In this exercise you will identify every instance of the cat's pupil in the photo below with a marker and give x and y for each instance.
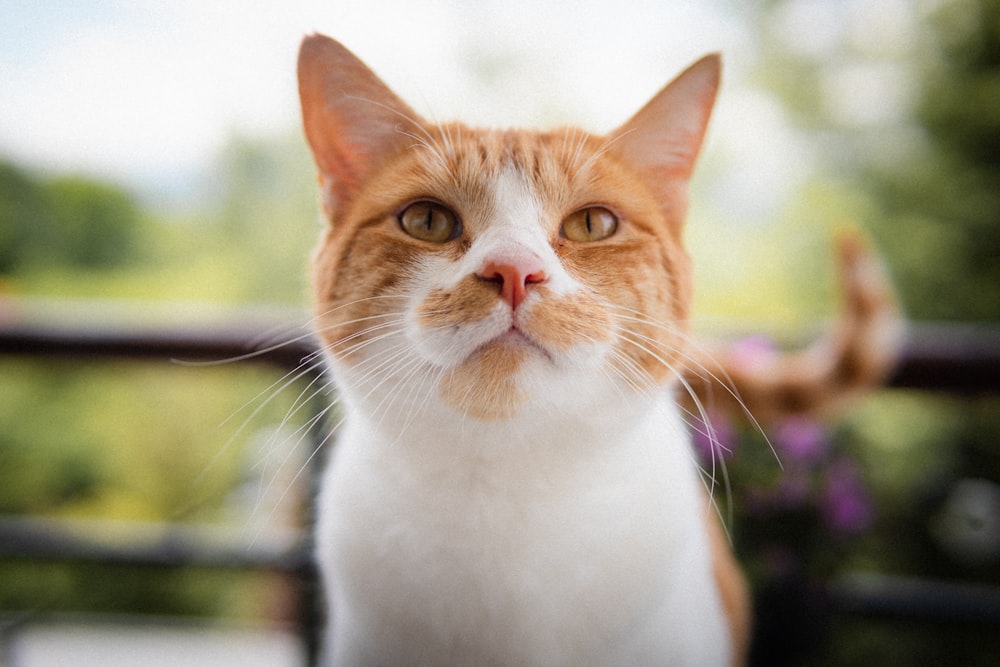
(428, 221)
(593, 223)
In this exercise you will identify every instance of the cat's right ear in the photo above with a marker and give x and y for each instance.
(353, 122)
(663, 139)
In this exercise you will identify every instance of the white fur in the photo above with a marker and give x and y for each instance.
(532, 542)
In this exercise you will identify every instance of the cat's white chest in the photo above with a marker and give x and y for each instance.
(468, 543)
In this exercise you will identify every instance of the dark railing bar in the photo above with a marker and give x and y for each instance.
(954, 358)
(886, 596)
(56, 541)
(950, 357)
(216, 344)
(148, 544)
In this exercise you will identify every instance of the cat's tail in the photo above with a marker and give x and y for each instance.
(857, 354)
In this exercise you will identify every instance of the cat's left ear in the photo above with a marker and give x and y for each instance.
(663, 139)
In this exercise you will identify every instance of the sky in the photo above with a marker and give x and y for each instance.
(145, 92)
(134, 90)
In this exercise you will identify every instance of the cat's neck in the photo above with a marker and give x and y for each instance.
(453, 518)
(532, 460)
(550, 424)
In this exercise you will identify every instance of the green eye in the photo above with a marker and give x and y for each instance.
(593, 223)
(428, 221)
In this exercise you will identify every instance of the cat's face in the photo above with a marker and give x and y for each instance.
(489, 268)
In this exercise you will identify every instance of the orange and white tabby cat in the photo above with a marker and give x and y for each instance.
(505, 316)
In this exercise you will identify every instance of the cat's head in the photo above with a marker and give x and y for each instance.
(485, 269)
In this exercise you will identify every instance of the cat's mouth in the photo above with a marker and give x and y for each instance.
(519, 342)
(514, 344)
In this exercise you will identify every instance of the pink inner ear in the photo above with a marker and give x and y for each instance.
(351, 117)
(665, 136)
(337, 178)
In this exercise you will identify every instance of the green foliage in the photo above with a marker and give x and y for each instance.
(94, 224)
(22, 206)
(925, 181)
(69, 221)
(265, 210)
(142, 443)
(929, 169)
(151, 442)
(961, 104)
(106, 589)
(960, 109)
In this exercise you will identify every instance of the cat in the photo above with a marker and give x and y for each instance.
(505, 315)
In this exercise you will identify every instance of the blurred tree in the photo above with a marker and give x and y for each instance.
(137, 442)
(903, 100)
(94, 224)
(265, 207)
(942, 225)
(22, 210)
(71, 222)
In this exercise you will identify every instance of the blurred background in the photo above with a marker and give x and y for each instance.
(154, 182)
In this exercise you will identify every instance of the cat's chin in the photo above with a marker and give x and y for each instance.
(486, 383)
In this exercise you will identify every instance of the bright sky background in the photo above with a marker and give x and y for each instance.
(145, 92)
(138, 89)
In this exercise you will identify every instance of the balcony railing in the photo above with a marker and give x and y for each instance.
(952, 359)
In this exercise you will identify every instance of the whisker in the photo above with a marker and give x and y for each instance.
(273, 390)
(302, 400)
(396, 112)
(305, 465)
(696, 366)
(300, 435)
(243, 357)
(703, 413)
(433, 150)
(253, 354)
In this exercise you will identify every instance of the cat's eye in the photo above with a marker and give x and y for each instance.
(428, 221)
(593, 223)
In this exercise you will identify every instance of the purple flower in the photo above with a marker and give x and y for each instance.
(800, 440)
(846, 504)
(714, 439)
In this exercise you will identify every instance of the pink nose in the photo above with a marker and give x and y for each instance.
(514, 276)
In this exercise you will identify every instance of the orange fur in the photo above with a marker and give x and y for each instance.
(732, 587)
(470, 299)
(484, 385)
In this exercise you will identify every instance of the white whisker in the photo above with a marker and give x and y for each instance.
(693, 365)
(320, 445)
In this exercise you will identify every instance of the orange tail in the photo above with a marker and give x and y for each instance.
(856, 355)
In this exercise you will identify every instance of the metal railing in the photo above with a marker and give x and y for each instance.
(244, 335)
(955, 359)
